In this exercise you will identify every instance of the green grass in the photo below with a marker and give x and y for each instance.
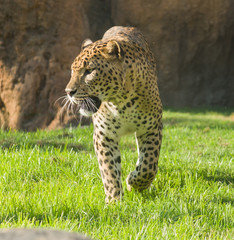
(51, 179)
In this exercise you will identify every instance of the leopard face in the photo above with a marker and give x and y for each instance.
(96, 76)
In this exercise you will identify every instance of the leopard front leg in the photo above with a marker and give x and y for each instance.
(147, 164)
(108, 154)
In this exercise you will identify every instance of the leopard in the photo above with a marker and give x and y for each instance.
(114, 80)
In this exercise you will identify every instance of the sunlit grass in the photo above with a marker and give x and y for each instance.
(51, 179)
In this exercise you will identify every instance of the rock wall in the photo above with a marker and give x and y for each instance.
(39, 234)
(39, 40)
(192, 41)
(194, 46)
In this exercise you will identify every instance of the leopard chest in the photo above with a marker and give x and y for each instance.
(123, 121)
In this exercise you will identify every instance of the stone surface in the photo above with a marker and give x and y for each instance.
(39, 234)
(38, 42)
(193, 42)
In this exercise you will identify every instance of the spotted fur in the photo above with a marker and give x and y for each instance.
(114, 80)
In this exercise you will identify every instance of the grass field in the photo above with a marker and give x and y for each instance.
(50, 179)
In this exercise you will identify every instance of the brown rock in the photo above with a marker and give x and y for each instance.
(193, 44)
(38, 42)
(39, 234)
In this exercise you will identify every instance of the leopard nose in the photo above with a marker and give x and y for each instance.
(70, 92)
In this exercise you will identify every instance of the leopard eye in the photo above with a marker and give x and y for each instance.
(88, 71)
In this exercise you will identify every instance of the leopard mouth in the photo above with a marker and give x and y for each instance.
(90, 105)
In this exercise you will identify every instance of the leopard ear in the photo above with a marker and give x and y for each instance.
(113, 50)
(86, 43)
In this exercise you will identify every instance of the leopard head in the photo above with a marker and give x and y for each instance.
(96, 75)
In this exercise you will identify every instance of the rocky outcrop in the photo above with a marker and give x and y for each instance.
(192, 41)
(39, 40)
(39, 234)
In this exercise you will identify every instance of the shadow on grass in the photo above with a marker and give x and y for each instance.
(219, 176)
(223, 177)
(216, 176)
(174, 211)
(11, 144)
(203, 124)
(224, 200)
(226, 111)
(225, 119)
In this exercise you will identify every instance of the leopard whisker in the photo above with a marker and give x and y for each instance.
(87, 103)
(63, 110)
(63, 97)
(69, 107)
(92, 103)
